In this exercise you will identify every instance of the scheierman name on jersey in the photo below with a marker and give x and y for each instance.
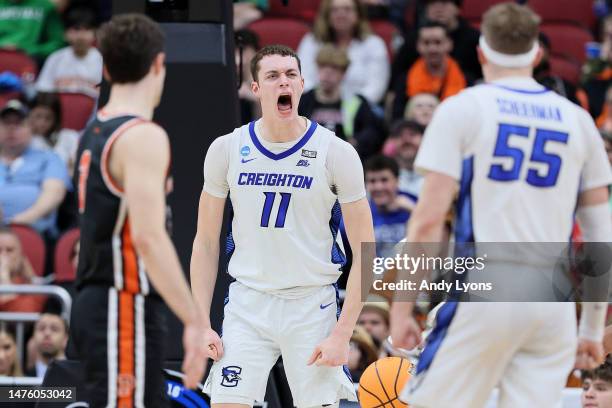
(274, 179)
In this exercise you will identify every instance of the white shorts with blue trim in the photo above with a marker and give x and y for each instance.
(525, 349)
(257, 329)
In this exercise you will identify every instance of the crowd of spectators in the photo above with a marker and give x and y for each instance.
(378, 96)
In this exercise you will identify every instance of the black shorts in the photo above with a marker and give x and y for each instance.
(119, 338)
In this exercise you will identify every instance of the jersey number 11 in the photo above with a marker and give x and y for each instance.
(282, 209)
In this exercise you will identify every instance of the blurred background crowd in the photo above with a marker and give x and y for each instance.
(374, 70)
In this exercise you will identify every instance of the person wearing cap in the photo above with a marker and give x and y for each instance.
(463, 36)
(33, 182)
(351, 118)
(403, 145)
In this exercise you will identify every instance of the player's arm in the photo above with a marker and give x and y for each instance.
(205, 253)
(593, 216)
(347, 177)
(140, 159)
(426, 226)
(441, 157)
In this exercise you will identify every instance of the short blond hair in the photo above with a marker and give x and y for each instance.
(330, 55)
(510, 28)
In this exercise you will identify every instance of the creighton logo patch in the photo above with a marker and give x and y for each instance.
(311, 154)
(230, 376)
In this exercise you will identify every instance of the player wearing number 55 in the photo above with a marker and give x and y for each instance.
(290, 181)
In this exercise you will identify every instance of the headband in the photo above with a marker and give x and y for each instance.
(508, 60)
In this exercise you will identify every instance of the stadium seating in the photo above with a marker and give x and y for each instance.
(567, 11)
(474, 9)
(64, 271)
(566, 69)
(76, 110)
(305, 10)
(33, 246)
(19, 63)
(284, 31)
(567, 40)
(387, 31)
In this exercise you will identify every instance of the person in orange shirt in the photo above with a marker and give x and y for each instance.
(435, 71)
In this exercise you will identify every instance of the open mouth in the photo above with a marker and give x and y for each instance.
(284, 103)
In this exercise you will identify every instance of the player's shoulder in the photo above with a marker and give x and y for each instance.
(335, 143)
(462, 104)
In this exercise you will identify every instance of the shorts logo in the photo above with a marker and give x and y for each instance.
(311, 154)
(125, 385)
(303, 163)
(230, 376)
(245, 151)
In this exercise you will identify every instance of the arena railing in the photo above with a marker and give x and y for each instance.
(23, 318)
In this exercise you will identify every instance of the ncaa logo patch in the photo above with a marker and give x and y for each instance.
(230, 376)
(245, 151)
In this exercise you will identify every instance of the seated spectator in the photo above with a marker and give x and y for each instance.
(247, 11)
(15, 269)
(403, 145)
(597, 71)
(48, 343)
(390, 207)
(421, 108)
(362, 352)
(344, 23)
(464, 38)
(45, 120)
(247, 44)
(33, 182)
(9, 361)
(31, 26)
(351, 118)
(78, 67)
(435, 71)
(597, 387)
(542, 73)
(374, 318)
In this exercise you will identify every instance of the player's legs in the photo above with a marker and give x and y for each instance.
(241, 376)
(305, 322)
(538, 371)
(466, 354)
(121, 354)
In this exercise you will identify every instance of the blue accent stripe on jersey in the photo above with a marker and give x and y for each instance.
(522, 91)
(337, 256)
(230, 245)
(464, 229)
(286, 153)
(434, 340)
(338, 311)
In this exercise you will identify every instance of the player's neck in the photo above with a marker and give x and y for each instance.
(136, 99)
(277, 131)
(494, 73)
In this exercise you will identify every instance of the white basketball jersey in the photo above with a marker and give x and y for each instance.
(521, 153)
(285, 217)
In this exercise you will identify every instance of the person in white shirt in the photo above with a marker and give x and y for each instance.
(525, 163)
(45, 121)
(344, 23)
(78, 67)
(290, 182)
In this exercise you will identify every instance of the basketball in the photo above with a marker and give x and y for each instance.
(382, 382)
